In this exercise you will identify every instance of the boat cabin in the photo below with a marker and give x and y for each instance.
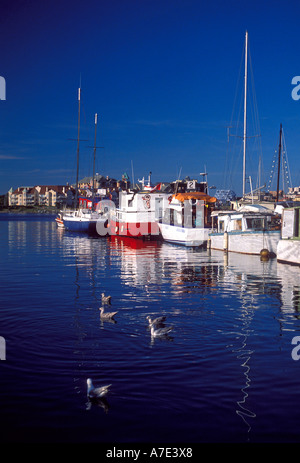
(244, 221)
(291, 223)
(189, 210)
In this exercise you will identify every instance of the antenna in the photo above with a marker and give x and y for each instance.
(132, 173)
(245, 113)
(279, 154)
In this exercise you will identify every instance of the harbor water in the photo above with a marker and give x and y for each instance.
(228, 372)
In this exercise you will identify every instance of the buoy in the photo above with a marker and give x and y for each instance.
(264, 253)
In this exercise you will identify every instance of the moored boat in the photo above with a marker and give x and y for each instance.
(82, 220)
(187, 219)
(137, 214)
(246, 231)
(288, 248)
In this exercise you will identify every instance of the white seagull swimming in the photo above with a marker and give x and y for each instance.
(106, 315)
(158, 322)
(96, 392)
(105, 299)
(159, 332)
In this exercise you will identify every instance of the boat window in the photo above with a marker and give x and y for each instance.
(177, 218)
(168, 217)
(255, 223)
(238, 224)
(221, 225)
(172, 217)
(199, 222)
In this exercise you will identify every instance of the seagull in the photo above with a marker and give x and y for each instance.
(157, 322)
(106, 299)
(106, 315)
(96, 392)
(158, 332)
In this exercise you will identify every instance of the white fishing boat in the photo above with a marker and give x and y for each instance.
(138, 213)
(187, 219)
(288, 248)
(246, 231)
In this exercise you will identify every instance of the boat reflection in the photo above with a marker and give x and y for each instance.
(242, 285)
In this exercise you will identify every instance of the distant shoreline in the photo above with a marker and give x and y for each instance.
(28, 210)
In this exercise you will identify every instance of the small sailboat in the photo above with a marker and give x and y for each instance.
(252, 229)
(79, 219)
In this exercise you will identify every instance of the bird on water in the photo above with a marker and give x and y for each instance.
(106, 315)
(96, 392)
(105, 299)
(159, 332)
(158, 322)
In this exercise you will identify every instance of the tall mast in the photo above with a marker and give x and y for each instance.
(93, 191)
(78, 137)
(245, 114)
(279, 155)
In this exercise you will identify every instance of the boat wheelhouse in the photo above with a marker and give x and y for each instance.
(138, 214)
(187, 219)
(246, 231)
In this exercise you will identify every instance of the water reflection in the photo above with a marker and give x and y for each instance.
(101, 403)
(139, 260)
(189, 271)
(290, 277)
(23, 235)
(234, 318)
(244, 354)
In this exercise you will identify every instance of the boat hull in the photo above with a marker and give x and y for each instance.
(142, 230)
(194, 237)
(246, 242)
(288, 251)
(59, 222)
(80, 225)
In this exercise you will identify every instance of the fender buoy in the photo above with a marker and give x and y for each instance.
(264, 254)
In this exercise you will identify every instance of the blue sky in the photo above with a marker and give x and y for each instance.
(163, 77)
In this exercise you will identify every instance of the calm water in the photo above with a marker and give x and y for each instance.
(225, 375)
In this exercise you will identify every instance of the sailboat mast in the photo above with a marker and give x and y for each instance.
(279, 155)
(78, 137)
(93, 191)
(245, 114)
